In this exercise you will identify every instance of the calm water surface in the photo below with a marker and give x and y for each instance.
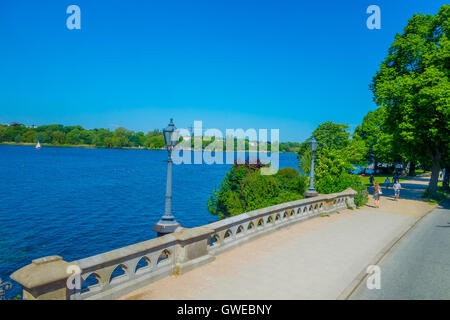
(77, 202)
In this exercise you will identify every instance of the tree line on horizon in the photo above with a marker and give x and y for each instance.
(60, 135)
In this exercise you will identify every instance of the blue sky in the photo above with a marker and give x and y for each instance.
(280, 64)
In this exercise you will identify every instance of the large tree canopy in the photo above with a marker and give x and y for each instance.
(334, 137)
(381, 147)
(413, 85)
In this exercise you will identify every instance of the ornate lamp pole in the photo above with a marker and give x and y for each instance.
(167, 224)
(311, 192)
(6, 286)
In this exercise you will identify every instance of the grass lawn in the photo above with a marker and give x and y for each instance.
(380, 179)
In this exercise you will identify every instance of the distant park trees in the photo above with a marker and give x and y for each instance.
(60, 135)
(76, 135)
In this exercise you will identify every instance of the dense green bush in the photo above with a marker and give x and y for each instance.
(245, 189)
(331, 184)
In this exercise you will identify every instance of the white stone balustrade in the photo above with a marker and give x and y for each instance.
(176, 253)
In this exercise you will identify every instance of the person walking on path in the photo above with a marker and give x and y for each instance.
(395, 178)
(397, 187)
(376, 194)
(371, 178)
(387, 182)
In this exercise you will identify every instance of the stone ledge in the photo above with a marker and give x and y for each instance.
(182, 268)
(192, 234)
(42, 272)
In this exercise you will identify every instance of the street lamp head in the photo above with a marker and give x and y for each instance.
(313, 144)
(170, 135)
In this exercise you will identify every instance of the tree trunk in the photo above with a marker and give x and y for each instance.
(435, 169)
(412, 169)
(445, 183)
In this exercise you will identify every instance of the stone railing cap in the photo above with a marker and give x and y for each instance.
(123, 253)
(46, 259)
(350, 190)
(42, 271)
(278, 207)
(193, 233)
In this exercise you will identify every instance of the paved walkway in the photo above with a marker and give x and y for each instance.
(316, 259)
(418, 266)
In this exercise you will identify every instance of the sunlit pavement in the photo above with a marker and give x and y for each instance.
(320, 258)
(418, 266)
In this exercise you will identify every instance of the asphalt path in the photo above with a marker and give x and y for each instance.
(418, 266)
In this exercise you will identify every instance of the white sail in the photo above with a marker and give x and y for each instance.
(38, 145)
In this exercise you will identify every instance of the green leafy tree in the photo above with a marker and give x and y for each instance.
(381, 145)
(86, 136)
(108, 142)
(73, 137)
(99, 136)
(2, 132)
(120, 138)
(289, 146)
(371, 131)
(336, 155)
(58, 137)
(28, 136)
(413, 85)
(155, 142)
(333, 136)
(43, 137)
(136, 139)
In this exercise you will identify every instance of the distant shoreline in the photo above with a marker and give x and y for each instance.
(89, 146)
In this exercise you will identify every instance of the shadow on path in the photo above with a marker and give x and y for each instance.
(411, 189)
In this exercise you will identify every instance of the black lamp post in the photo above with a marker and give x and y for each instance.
(168, 224)
(311, 192)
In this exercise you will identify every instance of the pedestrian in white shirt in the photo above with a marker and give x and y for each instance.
(397, 186)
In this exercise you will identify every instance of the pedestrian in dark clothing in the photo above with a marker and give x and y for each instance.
(395, 178)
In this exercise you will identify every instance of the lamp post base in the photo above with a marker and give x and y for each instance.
(165, 228)
(310, 193)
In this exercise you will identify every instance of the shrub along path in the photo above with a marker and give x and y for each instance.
(321, 258)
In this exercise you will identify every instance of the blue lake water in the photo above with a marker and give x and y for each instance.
(77, 202)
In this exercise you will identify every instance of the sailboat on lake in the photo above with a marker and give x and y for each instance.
(38, 145)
